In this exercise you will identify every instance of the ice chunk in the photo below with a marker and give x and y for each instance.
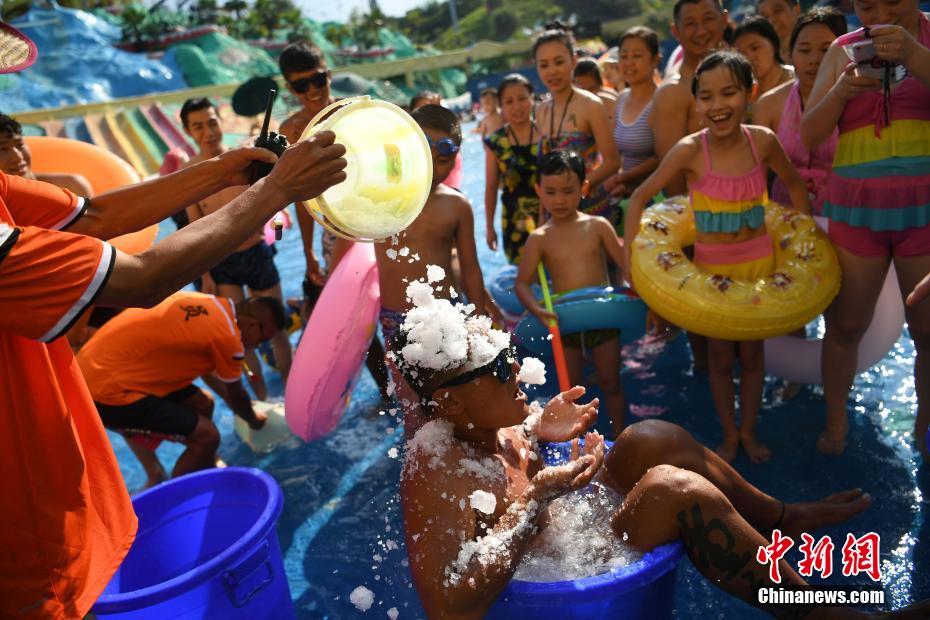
(483, 501)
(393, 613)
(578, 542)
(435, 273)
(362, 598)
(532, 371)
(391, 253)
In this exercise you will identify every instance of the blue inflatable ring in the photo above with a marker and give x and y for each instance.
(502, 286)
(584, 310)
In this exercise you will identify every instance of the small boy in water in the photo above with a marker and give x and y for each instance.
(572, 246)
(445, 222)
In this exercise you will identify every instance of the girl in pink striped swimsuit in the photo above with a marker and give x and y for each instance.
(729, 215)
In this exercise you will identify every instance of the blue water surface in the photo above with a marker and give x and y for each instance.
(341, 526)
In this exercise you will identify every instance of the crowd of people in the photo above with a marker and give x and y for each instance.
(574, 171)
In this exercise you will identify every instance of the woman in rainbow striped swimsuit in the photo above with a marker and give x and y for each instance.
(878, 195)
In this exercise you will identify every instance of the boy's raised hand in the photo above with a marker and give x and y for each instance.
(562, 418)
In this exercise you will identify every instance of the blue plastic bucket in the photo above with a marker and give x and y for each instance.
(206, 548)
(645, 589)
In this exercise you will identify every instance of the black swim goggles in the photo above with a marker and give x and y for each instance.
(444, 146)
(317, 80)
(501, 366)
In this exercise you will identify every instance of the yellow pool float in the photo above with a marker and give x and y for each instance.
(805, 280)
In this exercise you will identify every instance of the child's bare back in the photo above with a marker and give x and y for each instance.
(428, 241)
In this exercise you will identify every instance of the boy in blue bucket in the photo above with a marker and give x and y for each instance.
(481, 441)
(573, 247)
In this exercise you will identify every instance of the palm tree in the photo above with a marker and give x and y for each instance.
(236, 6)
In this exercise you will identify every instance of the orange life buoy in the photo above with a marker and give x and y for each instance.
(103, 170)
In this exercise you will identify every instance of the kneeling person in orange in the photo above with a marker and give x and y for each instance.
(141, 365)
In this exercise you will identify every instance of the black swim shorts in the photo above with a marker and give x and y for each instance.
(163, 417)
(253, 267)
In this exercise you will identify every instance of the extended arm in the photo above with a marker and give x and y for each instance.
(304, 171)
(642, 170)
(673, 166)
(836, 84)
(240, 403)
(491, 183)
(669, 123)
(600, 129)
(776, 159)
(527, 274)
(472, 279)
(611, 243)
(132, 208)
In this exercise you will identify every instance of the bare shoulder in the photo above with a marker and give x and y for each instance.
(294, 126)
(691, 143)
(772, 101)
(451, 198)
(763, 136)
(433, 464)
(672, 94)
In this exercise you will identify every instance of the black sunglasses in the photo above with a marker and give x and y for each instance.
(501, 366)
(444, 146)
(317, 80)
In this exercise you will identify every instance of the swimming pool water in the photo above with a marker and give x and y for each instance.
(341, 526)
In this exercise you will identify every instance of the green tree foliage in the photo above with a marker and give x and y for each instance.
(599, 10)
(503, 24)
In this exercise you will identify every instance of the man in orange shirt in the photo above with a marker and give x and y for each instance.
(67, 521)
(140, 368)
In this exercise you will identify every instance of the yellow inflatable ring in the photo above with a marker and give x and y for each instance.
(805, 280)
(103, 169)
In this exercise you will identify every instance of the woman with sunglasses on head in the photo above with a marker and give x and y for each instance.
(510, 162)
(780, 109)
(574, 119)
(757, 40)
(878, 193)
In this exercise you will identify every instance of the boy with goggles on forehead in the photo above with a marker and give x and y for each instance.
(446, 223)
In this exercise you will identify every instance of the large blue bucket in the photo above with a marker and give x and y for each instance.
(643, 590)
(206, 548)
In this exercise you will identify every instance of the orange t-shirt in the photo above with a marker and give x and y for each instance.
(66, 522)
(162, 349)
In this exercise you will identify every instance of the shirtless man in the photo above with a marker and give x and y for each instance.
(675, 490)
(252, 264)
(698, 25)
(303, 67)
(16, 160)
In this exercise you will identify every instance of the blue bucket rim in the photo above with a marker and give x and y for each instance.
(653, 565)
(126, 601)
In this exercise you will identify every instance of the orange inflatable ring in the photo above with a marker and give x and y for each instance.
(103, 169)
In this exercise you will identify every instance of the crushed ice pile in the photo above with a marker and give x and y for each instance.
(578, 541)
